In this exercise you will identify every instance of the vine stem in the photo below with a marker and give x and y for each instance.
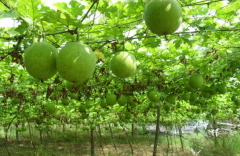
(99, 137)
(95, 1)
(30, 132)
(112, 136)
(129, 142)
(6, 137)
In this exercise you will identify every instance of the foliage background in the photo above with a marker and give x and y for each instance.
(207, 43)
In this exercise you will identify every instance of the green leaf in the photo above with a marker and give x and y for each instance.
(29, 8)
(22, 28)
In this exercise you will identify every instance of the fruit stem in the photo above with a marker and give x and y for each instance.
(166, 37)
(43, 36)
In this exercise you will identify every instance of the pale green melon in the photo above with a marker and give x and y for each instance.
(170, 99)
(163, 17)
(154, 96)
(221, 88)
(111, 99)
(196, 81)
(185, 96)
(65, 101)
(122, 100)
(123, 64)
(40, 60)
(51, 108)
(76, 62)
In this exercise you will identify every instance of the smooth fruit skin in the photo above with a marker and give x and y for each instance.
(193, 97)
(122, 100)
(233, 98)
(76, 62)
(154, 96)
(50, 108)
(65, 102)
(130, 99)
(82, 108)
(111, 99)
(170, 99)
(213, 90)
(196, 81)
(123, 64)
(163, 17)
(103, 104)
(167, 107)
(221, 88)
(186, 96)
(206, 94)
(127, 115)
(40, 60)
(84, 115)
(237, 102)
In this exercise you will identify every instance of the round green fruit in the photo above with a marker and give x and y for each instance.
(150, 105)
(206, 94)
(15, 100)
(115, 124)
(50, 108)
(103, 104)
(73, 96)
(82, 108)
(170, 99)
(208, 116)
(84, 115)
(186, 96)
(233, 98)
(130, 99)
(40, 60)
(88, 105)
(122, 100)
(237, 102)
(76, 62)
(111, 99)
(86, 128)
(133, 104)
(156, 105)
(193, 97)
(188, 88)
(235, 111)
(154, 96)
(127, 115)
(178, 105)
(93, 127)
(65, 102)
(163, 17)
(221, 88)
(123, 64)
(167, 107)
(196, 81)
(213, 90)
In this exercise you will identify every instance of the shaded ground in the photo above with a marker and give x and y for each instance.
(57, 143)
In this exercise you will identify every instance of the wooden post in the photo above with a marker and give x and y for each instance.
(157, 132)
(92, 142)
